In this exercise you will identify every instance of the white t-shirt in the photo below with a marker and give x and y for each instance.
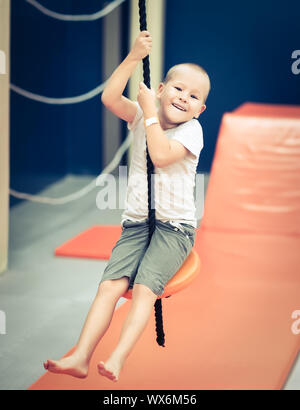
(173, 184)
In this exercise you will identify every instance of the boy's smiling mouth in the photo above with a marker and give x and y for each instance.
(178, 107)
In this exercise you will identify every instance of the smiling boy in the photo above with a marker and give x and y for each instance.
(174, 140)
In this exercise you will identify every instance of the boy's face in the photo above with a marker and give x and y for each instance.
(182, 97)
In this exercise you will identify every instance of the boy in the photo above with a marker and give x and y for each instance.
(174, 140)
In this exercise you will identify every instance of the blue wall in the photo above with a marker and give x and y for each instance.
(58, 59)
(246, 48)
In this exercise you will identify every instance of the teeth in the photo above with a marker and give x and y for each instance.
(179, 108)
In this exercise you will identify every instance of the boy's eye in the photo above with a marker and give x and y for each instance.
(178, 88)
(193, 96)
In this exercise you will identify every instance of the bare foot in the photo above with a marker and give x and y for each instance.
(70, 365)
(110, 370)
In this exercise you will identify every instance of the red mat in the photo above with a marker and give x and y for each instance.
(96, 242)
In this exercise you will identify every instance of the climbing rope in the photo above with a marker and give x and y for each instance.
(150, 170)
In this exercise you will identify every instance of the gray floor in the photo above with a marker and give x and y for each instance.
(46, 298)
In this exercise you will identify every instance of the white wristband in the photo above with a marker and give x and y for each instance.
(150, 121)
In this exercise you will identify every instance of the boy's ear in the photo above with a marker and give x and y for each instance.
(203, 108)
(159, 90)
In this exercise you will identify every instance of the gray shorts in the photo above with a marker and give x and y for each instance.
(152, 266)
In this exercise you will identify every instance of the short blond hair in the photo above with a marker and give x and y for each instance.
(196, 67)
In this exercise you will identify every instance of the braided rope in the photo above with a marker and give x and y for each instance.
(150, 171)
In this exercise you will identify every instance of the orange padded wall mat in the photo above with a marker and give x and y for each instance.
(250, 237)
(268, 110)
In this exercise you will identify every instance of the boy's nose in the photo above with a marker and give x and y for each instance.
(183, 98)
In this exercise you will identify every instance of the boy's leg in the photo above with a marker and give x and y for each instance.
(95, 326)
(143, 300)
(164, 256)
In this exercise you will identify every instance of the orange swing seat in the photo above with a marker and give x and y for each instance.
(183, 277)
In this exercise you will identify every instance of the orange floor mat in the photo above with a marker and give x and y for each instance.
(96, 242)
(234, 327)
(235, 335)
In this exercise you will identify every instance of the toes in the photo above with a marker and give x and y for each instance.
(105, 372)
(51, 365)
(101, 366)
(101, 369)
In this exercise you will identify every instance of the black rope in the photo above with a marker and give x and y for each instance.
(150, 171)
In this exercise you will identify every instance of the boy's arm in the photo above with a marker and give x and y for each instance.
(163, 152)
(112, 96)
(175, 151)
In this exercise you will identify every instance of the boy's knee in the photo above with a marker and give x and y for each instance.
(114, 286)
(143, 290)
